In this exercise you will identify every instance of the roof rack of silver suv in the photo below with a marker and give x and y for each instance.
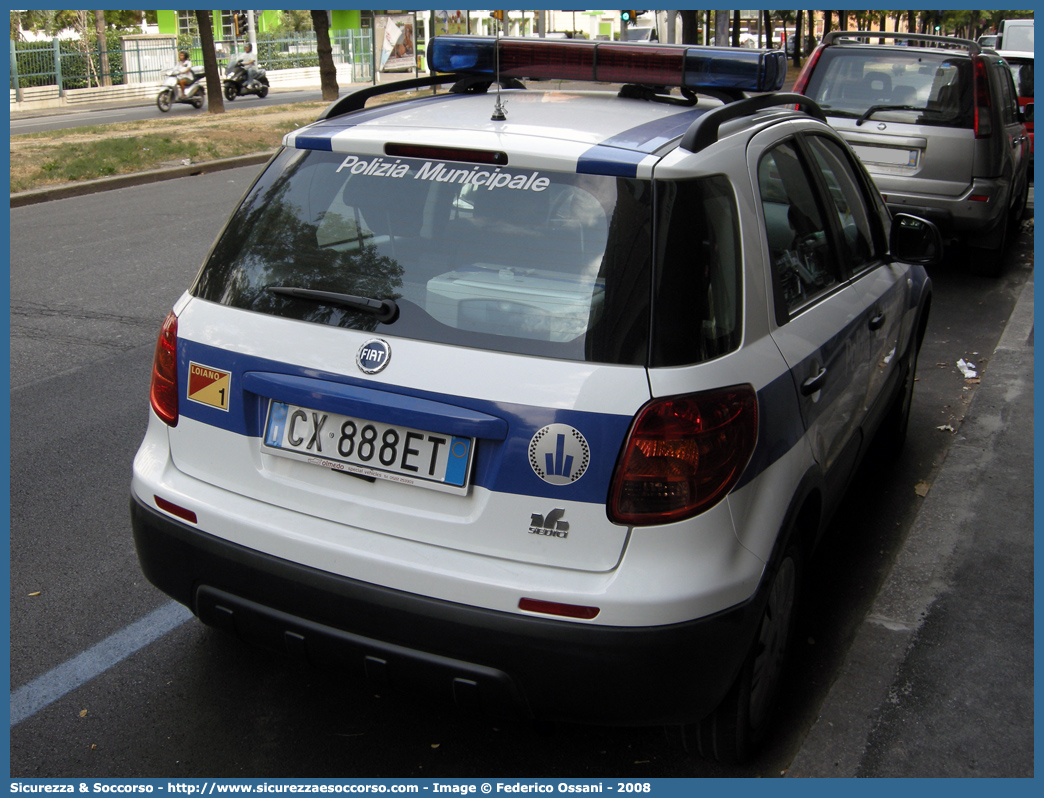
(840, 36)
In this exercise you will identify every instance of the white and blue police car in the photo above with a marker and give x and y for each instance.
(536, 399)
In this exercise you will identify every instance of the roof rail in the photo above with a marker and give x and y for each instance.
(974, 48)
(462, 84)
(704, 131)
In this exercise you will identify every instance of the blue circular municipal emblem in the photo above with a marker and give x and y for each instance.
(559, 454)
(373, 355)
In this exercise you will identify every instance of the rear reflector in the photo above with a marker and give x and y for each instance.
(554, 608)
(174, 509)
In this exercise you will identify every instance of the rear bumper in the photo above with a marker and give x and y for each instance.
(960, 218)
(493, 661)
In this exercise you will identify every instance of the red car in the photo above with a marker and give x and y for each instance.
(1021, 64)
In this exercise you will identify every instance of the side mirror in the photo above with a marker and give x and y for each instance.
(1027, 112)
(915, 240)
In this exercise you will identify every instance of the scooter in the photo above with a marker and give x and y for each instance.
(236, 83)
(194, 94)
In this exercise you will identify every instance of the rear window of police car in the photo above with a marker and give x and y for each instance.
(526, 261)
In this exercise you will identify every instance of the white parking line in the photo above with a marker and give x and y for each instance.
(44, 690)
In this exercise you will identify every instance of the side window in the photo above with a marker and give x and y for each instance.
(1008, 101)
(803, 268)
(847, 201)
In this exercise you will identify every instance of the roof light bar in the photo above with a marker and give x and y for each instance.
(680, 65)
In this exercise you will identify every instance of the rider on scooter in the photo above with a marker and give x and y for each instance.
(248, 61)
(184, 72)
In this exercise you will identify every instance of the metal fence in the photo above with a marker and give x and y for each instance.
(70, 64)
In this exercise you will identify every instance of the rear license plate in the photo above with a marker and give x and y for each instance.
(891, 156)
(383, 451)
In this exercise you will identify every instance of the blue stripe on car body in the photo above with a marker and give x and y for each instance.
(500, 465)
(651, 136)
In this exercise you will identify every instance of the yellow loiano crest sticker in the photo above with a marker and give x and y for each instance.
(209, 386)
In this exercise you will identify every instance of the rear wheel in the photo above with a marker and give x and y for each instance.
(989, 261)
(1018, 212)
(230, 92)
(735, 729)
(263, 91)
(897, 422)
(164, 100)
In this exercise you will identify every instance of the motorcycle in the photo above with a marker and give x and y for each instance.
(236, 83)
(194, 94)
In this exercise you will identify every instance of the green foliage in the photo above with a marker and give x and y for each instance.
(115, 156)
(294, 22)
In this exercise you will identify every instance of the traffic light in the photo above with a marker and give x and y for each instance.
(498, 15)
(628, 16)
(239, 21)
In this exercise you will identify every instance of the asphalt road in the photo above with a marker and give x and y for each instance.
(63, 118)
(91, 280)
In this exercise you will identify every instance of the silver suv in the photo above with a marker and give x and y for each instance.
(936, 121)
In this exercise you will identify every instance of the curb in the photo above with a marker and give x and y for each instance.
(838, 740)
(137, 179)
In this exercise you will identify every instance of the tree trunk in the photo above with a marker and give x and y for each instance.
(327, 68)
(768, 29)
(842, 20)
(690, 33)
(828, 22)
(799, 39)
(215, 99)
(103, 47)
(735, 28)
(721, 28)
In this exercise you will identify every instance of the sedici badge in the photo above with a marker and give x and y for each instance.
(209, 386)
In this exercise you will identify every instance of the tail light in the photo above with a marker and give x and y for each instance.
(981, 89)
(801, 84)
(164, 391)
(683, 455)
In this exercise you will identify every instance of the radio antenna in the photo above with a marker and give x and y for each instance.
(499, 114)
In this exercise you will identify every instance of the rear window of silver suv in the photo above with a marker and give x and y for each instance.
(905, 84)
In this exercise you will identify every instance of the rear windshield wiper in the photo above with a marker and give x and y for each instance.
(385, 310)
(873, 109)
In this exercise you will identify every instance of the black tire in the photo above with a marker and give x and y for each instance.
(197, 102)
(263, 91)
(230, 92)
(1018, 212)
(897, 422)
(989, 261)
(740, 723)
(164, 100)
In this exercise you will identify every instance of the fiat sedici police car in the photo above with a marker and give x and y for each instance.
(535, 399)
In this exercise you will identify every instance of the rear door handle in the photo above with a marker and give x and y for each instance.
(813, 384)
(877, 322)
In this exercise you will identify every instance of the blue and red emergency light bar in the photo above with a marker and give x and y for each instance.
(681, 65)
